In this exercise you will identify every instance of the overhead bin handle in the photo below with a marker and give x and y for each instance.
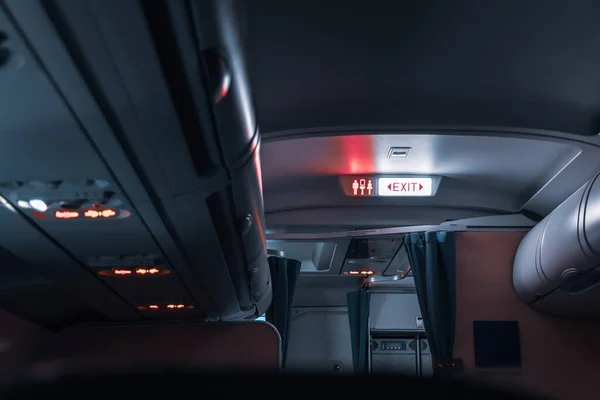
(219, 75)
(219, 39)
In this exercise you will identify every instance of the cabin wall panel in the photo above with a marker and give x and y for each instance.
(18, 341)
(560, 356)
(197, 345)
(319, 339)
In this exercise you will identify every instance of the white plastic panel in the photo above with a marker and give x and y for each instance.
(394, 312)
(320, 339)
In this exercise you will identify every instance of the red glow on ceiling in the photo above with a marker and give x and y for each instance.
(38, 214)
(358, 154)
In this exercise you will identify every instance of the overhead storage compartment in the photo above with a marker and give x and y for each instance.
(150, 185)
(555, 267)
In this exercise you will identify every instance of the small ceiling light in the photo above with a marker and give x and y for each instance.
(38, 205)
(6, 204)
(23, 204)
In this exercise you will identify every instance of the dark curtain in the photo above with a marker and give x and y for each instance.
(358, 315)
(284, 275)
(432, 256)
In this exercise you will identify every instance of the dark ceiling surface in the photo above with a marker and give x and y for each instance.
(319, 64)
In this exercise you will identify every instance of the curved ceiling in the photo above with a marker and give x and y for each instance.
(501, 99)
(504, 64)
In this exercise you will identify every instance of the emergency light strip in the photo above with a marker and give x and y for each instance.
(135, 271)
(166, 307)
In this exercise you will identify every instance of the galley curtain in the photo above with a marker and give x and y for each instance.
(358, 316)
(284, 275)
(432, 257)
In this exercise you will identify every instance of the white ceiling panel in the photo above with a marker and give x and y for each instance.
(479, 173)
(501, 161)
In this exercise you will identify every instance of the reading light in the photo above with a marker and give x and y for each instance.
(6, 204)
(38, 205)
(23, 204)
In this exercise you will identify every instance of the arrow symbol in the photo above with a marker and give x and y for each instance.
(390, 186)
(420, 186)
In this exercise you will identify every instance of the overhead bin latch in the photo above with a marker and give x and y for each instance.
(219, 74)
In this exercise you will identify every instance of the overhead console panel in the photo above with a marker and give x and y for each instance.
(557, 264)
(134, 179)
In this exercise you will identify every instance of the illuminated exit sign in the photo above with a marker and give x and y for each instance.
(404, 187)
(387, 186)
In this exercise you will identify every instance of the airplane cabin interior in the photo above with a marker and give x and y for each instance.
(345, 188)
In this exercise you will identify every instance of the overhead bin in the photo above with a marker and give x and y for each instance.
(556, 265)
(127, 97)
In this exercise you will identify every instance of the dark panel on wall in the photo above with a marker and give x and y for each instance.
(26, 292)
(497, 344)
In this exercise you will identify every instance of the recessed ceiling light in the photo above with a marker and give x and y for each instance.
(38, 205)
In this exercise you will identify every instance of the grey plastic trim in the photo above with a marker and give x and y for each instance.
(364, 233)
(438, 129)
(275, 253)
